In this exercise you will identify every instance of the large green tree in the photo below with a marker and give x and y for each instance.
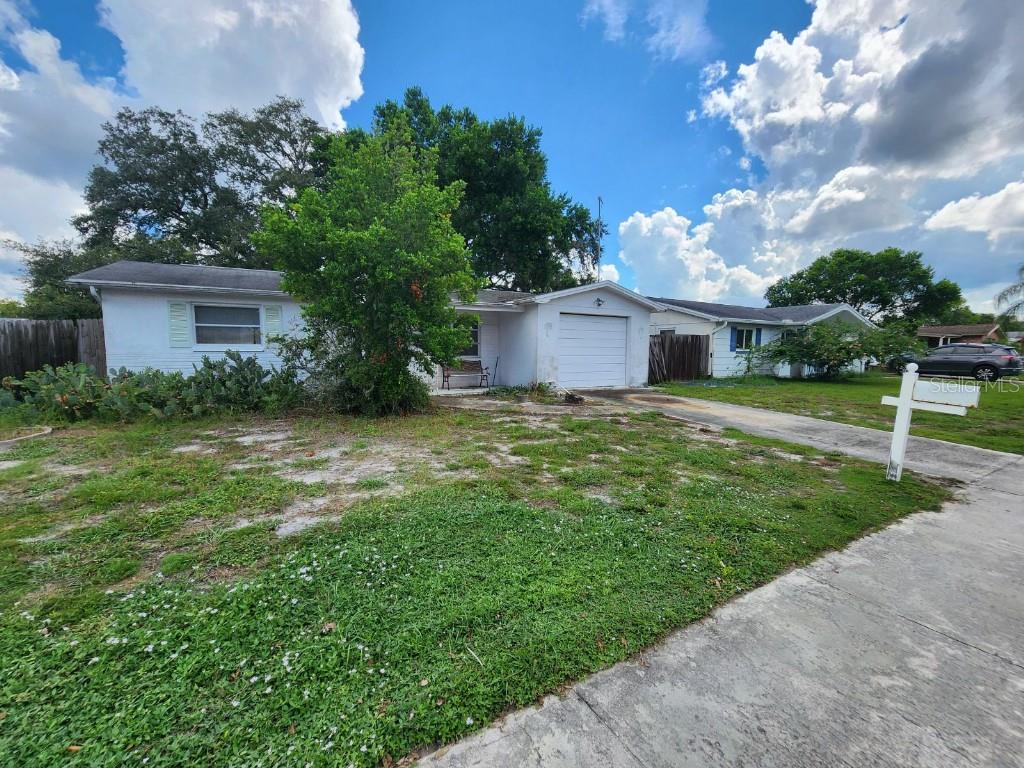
(170, 188)
(375, 259)
(888, 286)
(520, 233)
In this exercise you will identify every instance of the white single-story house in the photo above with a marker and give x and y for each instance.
(168, 316)
(736, 331)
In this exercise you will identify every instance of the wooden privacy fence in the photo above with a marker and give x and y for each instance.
(28, 345)
(677, 357)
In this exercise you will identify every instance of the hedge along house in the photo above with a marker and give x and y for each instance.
(738, 331)
(168, 316)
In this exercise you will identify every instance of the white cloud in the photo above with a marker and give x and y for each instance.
(996, 215)
(203, 55)
(875, 115)
(613, 13)
(670, 259)
(194, 55)
(744, 163)
(678, 28)
(712, 74)
(691, 116)
(857, 199)
(608, 272)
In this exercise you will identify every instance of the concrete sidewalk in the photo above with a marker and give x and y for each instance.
(905, 649)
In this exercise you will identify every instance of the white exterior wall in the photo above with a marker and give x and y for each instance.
(137, 332)
(518, 347)
(725, 362)
(638, 321)
(681, 323)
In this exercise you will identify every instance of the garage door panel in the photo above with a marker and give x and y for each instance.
(591, 350)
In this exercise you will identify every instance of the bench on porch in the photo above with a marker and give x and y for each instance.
(472, 368)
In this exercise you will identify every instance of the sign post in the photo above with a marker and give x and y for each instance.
(935, 396)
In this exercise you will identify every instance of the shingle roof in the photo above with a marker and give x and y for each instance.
(494, 296)
(800, 313)
(982, 329)
(146, 274)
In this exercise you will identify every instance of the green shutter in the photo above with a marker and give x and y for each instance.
(179, 327)
(273, 323)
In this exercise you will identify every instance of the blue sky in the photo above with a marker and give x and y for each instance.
(716, 180)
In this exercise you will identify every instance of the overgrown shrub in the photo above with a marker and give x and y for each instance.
(73, 391)
(375, 260)
(831, 348)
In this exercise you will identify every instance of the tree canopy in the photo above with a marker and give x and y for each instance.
(890, 285)
(520, 233)
(375, 259)
(170, 189)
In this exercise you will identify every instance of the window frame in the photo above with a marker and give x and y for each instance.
(222, 346)
(753, 339)
(475, 335)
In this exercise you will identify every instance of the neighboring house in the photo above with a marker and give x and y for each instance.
(937, 335)
(1015, 337)
(168, 316)
(736, 331)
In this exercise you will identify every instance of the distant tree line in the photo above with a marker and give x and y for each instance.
(891, 288)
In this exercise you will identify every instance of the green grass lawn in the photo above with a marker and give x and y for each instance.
(998, 422)
(466, 563)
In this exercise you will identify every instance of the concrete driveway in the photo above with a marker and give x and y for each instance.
(905, 649)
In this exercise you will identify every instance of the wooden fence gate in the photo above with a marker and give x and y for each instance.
(677, 357)
(28, 345)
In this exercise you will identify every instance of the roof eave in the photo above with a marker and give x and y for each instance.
(614, 287)
(175, 288)
(485, 307)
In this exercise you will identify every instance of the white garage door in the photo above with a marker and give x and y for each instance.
(591, 351)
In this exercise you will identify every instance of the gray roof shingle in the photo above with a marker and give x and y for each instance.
(231, 279)
(146, 274)
(982, 329)
(800, 313)
(494, 296)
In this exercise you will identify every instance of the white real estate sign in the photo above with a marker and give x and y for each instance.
(935, 396)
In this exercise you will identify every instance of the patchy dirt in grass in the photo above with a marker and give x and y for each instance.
(64, 528)
(588, 408)
(262, 436)
(66, 470)
(9, 464)
(502, 456)
(200, 448)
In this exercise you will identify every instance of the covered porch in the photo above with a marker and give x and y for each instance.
(489, 359)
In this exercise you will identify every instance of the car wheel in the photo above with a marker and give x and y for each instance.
(986, 373)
